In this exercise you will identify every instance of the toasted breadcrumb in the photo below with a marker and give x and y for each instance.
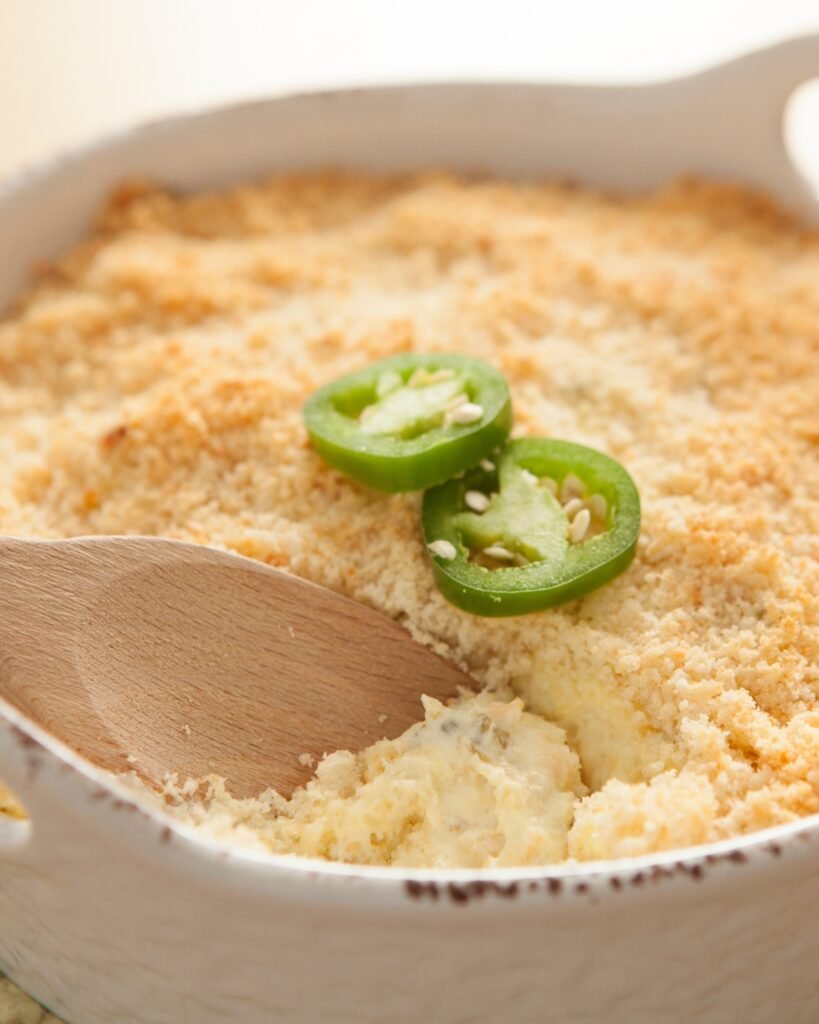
(9, 805)
(153, 383)
(17, 1008)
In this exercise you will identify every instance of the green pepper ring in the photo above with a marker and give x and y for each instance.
(521, 589)
(389, 463)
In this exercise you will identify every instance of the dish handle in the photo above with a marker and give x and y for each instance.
(732, 116)
(21, 757)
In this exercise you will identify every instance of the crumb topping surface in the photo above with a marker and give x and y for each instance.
(152, 382)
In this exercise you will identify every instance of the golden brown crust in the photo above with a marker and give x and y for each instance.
(152, 382)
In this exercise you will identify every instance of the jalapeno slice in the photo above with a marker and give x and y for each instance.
(548, 522)
(412, 421)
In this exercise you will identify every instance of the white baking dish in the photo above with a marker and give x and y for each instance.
(108, 914)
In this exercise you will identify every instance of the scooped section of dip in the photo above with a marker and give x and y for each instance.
(153, 382)
(478, 783)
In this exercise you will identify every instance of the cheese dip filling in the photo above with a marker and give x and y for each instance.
(153, 382)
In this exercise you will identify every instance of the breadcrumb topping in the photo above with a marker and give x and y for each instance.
(152, 382)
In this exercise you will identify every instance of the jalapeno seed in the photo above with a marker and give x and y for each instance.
(466, 412)
(443, 549)
(477, 501)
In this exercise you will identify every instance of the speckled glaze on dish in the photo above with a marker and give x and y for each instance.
(109, 913)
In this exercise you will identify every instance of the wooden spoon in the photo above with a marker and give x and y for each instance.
(157, 656)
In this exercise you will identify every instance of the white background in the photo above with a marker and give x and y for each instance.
(70, 69)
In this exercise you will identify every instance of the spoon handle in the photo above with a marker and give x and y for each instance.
(46, 590)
